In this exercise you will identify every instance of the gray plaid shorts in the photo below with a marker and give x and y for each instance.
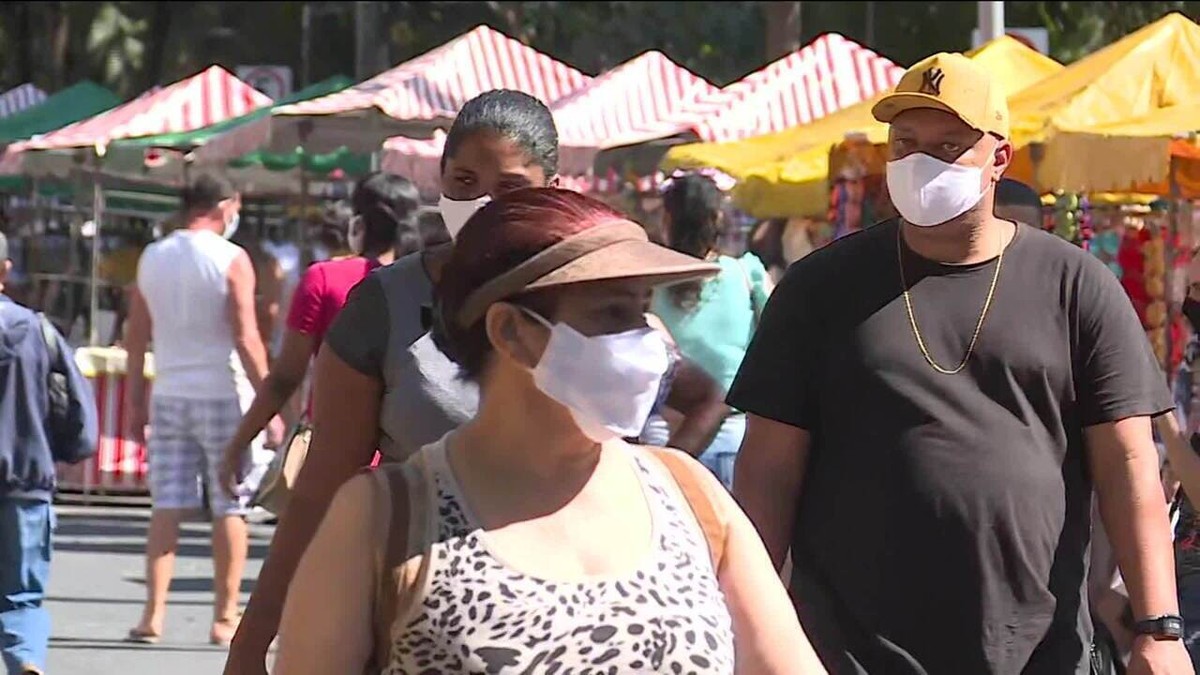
(187, 439)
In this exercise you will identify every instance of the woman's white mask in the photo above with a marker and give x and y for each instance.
(456, 212)
(609, 383)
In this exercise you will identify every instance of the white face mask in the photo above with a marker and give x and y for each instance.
(929, 192)
(608, 382)
(456, 213)
(356, 232)
(231, 227)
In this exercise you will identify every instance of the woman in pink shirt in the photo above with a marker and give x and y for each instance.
(385, 209)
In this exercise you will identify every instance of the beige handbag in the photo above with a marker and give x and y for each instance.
(279, 480)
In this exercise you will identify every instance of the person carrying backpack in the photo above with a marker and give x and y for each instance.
(47, 415)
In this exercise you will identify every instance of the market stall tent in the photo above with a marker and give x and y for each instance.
(1154, 67)
(232, 143)
(422, 94)
(78, 101)
(20, 98)
(1106, 122)
(786, 174)
(204, 99)
(826, 75)
(647, 98)
(1013, 63)
(1144, 154)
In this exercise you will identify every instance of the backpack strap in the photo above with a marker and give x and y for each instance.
(399, 489)
(699, 498)
(50, 335)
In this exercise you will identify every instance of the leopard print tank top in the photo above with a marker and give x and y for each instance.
(478, 615)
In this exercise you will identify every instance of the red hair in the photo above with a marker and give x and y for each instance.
(503, 234)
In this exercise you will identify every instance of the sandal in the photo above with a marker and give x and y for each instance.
(143, 637)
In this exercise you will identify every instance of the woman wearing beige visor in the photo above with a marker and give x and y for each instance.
(534, 539)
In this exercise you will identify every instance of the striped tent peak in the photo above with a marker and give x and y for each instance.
(211, 96)
(20, 98)
(437, 83)
(830, 73)
(645, 97)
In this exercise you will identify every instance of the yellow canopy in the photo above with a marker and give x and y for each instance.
(1152, 68)
(784, 174)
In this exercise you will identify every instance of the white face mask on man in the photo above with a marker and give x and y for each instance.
(456, 212)
(929, 192)
(231, 226)
(609, 383)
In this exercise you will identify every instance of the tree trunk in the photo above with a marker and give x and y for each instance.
(783, 28)
(156, 49)
(60, 43)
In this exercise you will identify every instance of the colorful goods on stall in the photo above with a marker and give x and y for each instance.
(857, 190)
(1067, 214)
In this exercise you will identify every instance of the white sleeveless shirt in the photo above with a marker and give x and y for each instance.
(184, 279)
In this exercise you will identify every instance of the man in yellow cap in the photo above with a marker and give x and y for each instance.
(932, 401)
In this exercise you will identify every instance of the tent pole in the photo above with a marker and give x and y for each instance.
(1169, 269)
(97, 217)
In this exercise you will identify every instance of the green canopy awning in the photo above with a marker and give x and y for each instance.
(77, 102)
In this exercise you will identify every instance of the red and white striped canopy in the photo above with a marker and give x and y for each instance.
(423, 93)
(416, 159)
(198, 101)
(19, 98)
(645, 98)
(830, 73)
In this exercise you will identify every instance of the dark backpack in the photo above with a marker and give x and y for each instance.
(59, 422)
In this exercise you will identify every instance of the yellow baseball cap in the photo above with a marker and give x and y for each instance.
(954, 84)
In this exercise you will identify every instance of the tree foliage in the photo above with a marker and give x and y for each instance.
(131, 46)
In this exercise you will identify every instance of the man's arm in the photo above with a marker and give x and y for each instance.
(1124, 465)
(137, 338)
(768, 478)
(243, 317)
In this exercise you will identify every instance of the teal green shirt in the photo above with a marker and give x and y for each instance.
(716, 332)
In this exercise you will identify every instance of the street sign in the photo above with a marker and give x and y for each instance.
(1035, 38)
(274, 81)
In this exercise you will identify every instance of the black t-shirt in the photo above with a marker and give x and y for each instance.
(944, 519)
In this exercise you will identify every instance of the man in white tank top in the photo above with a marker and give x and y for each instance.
(195, 297)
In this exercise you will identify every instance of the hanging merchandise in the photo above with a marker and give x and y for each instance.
(1105, 245)
(1066, 208)
(1132, 260)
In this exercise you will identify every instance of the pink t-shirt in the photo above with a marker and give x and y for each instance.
(322, 294)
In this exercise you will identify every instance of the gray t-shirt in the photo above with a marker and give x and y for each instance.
(380, 333)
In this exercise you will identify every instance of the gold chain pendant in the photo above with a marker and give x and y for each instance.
(912, 317)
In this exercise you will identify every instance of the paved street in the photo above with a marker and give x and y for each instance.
(98, 583)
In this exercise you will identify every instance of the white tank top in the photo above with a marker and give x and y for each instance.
(184, 279)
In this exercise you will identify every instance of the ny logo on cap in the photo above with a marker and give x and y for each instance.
(931, 81)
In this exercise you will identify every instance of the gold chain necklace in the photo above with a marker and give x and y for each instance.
(912, 318)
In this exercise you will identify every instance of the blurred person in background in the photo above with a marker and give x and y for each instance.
(268, 283)
(432, 229)
(195, 299)
(384, 206)
(381, 383)
(543, 303)
(711, 320)
(47, 415)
